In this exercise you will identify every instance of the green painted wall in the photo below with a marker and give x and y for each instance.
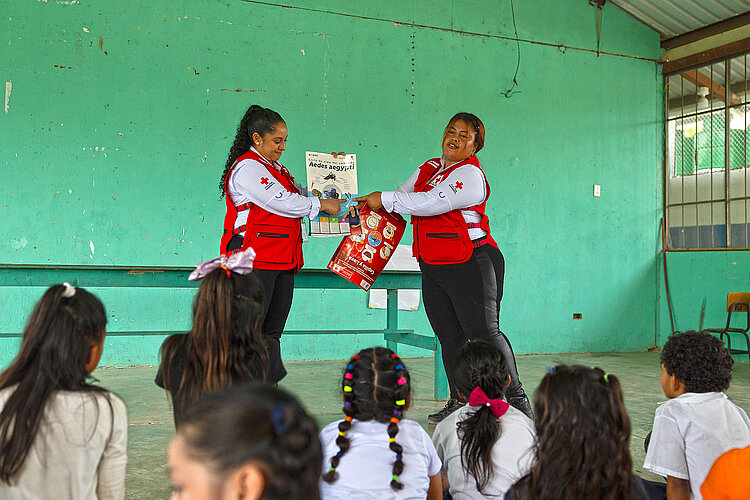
(120, 117)
(695, 276)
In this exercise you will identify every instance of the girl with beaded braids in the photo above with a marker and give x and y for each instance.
(375, 452)
(250, 442)
(487, 445)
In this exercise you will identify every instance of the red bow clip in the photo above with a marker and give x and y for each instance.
(479, 398)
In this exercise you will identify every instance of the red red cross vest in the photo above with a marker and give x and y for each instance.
(277, 240)
(444, 238)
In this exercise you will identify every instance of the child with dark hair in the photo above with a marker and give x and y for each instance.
(225, 345)
(374, 452)
(583, 440)
(61, 436)
(487, 445)
(699, 422)
(249, 442)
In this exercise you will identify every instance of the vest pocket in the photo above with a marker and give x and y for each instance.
(273, 244)
(442, 243)
(443, 236)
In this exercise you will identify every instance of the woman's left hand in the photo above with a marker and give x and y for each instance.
(373, 200)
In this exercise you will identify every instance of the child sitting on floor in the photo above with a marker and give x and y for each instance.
(583, 440)
(225, 345)
(374, 452)
(62, 437)
(485, 446)
(249, 441)
(699, 422)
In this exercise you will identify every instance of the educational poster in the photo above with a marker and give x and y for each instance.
(329, 177)
(360, 258)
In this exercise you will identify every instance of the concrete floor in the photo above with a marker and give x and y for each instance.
(316, 383)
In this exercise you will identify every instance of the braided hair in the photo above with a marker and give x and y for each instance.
(256, 119)
(376, 386)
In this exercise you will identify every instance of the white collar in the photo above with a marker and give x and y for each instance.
(275, 164)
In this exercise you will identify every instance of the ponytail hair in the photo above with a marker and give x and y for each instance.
(225, 342)
(257, 424)
(376, 386)
(480, 364)
(580, 419)
(256, 119)
(65, 324)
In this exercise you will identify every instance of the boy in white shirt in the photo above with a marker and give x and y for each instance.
(699, 422)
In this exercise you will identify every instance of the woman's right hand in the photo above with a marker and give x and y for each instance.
(331, 206)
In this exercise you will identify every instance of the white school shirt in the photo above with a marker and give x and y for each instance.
(442, 198)
(690, 432)
(366, 470)
(246, 185)
(512, 454)
(79, 452)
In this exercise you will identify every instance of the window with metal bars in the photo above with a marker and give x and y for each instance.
(707, 181)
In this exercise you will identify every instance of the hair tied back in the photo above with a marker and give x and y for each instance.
(280, 425)
(69, 290)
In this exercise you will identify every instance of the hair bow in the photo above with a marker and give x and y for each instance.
(478, 398)
(240, 263)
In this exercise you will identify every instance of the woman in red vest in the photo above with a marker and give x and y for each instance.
(462, 267)
(265, 207)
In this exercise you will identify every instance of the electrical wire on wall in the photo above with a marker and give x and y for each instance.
(509, 93)
(666, 280)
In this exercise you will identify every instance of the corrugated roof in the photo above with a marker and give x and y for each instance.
(675, 17)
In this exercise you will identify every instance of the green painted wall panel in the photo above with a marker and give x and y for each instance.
(698, 276)
(121, 147)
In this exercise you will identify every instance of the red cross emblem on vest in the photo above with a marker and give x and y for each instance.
(459, 185)
(264, 180)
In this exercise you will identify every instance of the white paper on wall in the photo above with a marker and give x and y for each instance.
(408, 300)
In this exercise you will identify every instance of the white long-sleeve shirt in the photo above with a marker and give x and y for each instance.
(250, 182)
(464, 187)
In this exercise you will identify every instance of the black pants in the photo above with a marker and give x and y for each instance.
(279, 290)
(462, 302)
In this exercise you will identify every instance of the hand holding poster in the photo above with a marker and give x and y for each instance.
(329, 177)
(360, 258)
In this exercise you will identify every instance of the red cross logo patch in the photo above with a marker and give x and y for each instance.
(459, 185)
(264, 180)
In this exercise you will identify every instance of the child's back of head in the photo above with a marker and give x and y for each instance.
(376, 386)
(225, 343)
(481, 372)
(62, 344)
(583, 436)
(248, 441)
(698, 360)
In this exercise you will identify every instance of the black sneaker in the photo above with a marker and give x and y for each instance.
(451, 406)
(521, 403)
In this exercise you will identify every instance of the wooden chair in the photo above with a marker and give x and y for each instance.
(736, 302)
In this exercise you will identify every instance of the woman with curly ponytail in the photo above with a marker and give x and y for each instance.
(265, 207)
(487, 445)
(251, 442)
(374, 451)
